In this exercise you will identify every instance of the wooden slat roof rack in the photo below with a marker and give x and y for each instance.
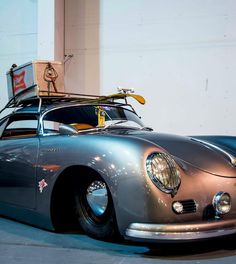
(44, 97)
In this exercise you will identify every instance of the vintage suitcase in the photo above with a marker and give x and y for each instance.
(36, 78)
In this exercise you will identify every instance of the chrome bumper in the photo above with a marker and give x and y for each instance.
(175, 232)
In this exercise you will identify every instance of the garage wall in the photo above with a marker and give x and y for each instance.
(29, 30)
(181, 55)
(18, 37)
(82, 25)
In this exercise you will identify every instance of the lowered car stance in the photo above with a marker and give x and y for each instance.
(89, 162)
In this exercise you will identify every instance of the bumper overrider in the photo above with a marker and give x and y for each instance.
(181, 231)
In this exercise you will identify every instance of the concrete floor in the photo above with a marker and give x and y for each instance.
(23, 244)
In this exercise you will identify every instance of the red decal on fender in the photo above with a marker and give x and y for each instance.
(42, 185)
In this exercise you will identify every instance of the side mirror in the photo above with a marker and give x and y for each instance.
(67, 130)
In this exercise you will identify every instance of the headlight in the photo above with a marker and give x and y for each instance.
(163, 172)
(222, 203)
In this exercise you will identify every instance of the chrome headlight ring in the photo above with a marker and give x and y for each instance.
(221, 203)
(163, 172)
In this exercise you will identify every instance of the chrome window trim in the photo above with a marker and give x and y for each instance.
(41, 130)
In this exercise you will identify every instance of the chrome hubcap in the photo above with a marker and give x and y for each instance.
(97, 197)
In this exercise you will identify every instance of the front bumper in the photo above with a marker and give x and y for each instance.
(180, 231)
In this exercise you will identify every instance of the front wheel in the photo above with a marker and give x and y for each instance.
(94, 208)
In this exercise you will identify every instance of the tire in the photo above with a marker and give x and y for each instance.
(96, 219)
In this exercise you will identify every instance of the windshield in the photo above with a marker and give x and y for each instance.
(91, 117)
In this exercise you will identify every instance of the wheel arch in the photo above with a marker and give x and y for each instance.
(61, 205)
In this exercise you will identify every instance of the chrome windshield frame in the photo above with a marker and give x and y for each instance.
(41, 119)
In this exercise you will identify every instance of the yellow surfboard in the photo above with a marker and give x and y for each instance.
(137, 97)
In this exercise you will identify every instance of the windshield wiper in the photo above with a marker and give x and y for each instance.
(123, 121)
(147, 128)
(115, 123)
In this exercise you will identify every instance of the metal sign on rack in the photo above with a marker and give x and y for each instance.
(36, 78)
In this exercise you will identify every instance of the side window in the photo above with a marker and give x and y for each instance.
(51, 127)
(2, 125)
(21, 126)
(82, 117)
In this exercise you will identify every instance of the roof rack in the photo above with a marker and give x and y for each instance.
(29, 95)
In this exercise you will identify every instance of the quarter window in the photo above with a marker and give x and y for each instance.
(21, 126)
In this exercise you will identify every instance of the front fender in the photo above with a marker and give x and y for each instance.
(120, 161)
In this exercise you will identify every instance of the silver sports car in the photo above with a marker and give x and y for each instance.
(82, 161)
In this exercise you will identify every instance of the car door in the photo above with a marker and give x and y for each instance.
(18, 158)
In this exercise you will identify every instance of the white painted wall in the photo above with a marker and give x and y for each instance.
(18, 37)
(181, 55)
(82, 23)
(50, 30)
(45, 30)
(29, 30)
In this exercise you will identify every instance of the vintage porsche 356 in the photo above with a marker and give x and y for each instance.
(89, 162)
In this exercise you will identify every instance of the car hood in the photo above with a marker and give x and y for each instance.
(188, 149)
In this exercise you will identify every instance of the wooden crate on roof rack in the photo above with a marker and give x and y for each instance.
(36, 78)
